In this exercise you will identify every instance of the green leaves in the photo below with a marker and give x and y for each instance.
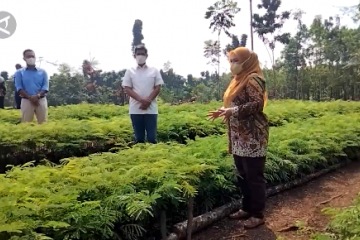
(78, 130)
(222, 14)
(119, 194)
(95, 197)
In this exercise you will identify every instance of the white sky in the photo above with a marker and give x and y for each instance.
(174, 30)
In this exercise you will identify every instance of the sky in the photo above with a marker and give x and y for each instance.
(65, 31)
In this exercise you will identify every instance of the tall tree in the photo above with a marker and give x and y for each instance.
(174, 84)
(353, 12)
(137, 34)
(243, 40)
(221, 16)
(64, 68)
(268, 27)
(212, 52)
(251, 26)
(294, 54)
(235, 42)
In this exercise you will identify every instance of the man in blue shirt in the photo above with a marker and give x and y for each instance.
(17, 96)
(32, 84)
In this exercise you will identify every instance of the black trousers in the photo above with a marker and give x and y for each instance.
(17, 100)
(252, 183)
(2, 102)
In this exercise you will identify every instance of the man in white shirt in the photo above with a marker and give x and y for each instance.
(143, 84)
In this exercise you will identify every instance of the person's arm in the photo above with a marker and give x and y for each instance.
(155, 93)
(158, 83)
(19, 85)
(128, 86)
(256, 100)
(130, 92)
(45, 85)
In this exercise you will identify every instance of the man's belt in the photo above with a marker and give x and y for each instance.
(40, 97)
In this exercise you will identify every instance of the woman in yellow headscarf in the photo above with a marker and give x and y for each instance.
(248, 132)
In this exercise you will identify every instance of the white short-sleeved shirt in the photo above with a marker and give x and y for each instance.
(143, 81)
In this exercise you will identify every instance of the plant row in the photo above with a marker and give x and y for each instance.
(69, 137)
(79, 133)
(120, 195)
(345, 223)
(279, 111)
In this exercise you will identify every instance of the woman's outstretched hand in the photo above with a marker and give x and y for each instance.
(212, 115)
(222, 112)
(226, 114)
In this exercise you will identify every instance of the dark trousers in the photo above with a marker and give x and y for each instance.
(2, 102)
(17, 100)
(252, 184)
(144, 123)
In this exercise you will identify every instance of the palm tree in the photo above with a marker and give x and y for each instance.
(221, 16)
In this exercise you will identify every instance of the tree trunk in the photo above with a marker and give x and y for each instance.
(251, 26)
(219, 70)
(274, 73)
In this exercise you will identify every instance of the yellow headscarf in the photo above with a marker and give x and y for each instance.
(251, 68)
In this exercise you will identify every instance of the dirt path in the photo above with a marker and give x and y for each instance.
(302, 204)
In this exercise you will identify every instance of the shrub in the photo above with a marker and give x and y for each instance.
(79, 130)
(118, 195)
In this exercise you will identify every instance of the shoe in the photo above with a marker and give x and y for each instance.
(253, 222)
(241, 214)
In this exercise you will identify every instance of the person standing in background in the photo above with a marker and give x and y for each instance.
(32, 84)
(2, 92)
(143, 84)
(17, 96)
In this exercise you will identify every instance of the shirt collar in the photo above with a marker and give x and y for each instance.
(35, 68)
(143, 67)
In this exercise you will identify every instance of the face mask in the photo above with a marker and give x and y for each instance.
(236, 68)
(140, 59)
(30, 61)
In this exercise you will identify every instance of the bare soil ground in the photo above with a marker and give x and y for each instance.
(299, 205)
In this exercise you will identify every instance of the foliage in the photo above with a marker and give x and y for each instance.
(175, 87)
(95, 196)
(222, 14)
(268, 28)
(235, 43)
(344, 225)
(212, 51)
(320, 61)
(84, 128)
(137, 34)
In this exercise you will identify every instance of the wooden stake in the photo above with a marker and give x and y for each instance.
(163, 225)
(190, 217)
